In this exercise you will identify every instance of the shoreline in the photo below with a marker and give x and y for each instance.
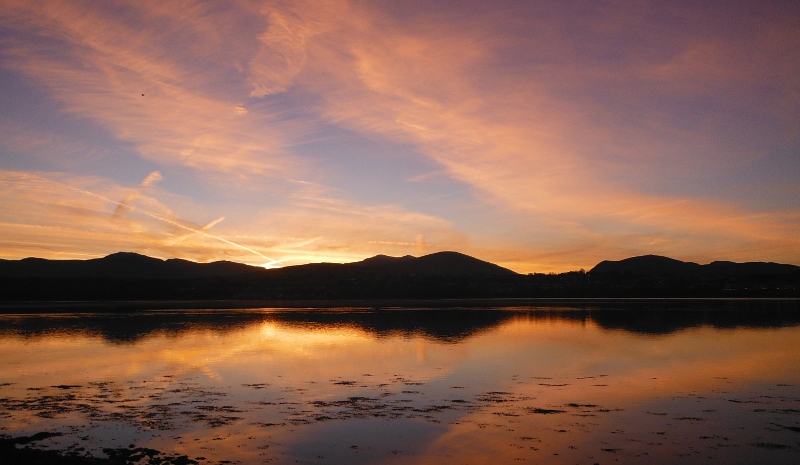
(578, 303)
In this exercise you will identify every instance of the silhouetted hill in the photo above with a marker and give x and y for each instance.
(442, 275)
(451, 264)
(648, 264)
(384, 260)
(655, 265)
(121, 265)
(132, 265)
(725, 268)
(440, 263)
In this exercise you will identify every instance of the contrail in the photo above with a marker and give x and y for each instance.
(124, 206)
(175, 223)
(268, 265)
(205, 227)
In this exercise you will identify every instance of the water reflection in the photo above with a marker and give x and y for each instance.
(452, 325)
(443, 326)
(410, 386)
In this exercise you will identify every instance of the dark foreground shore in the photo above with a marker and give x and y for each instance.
(21, 450)
(506, 303)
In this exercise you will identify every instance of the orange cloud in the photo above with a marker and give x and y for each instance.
(60, 216)
(571, 136)
(114, 73)
(516, 142)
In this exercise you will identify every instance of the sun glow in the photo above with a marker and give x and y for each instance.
(313, 129)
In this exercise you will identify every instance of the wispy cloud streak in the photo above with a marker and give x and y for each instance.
(582, 132)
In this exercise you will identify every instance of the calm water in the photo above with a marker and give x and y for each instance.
(409, 386)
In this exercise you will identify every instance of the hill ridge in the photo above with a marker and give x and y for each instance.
(660, 265)
(135, 265)
(442, 275)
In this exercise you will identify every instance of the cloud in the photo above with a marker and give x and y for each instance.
(317, 226)
(526, 137)
(158, 94)
(589, 132)
(124, 206)
(281, 57)
(55, 215)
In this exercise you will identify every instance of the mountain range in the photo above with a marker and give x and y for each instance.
(655, 265)
(135, 266)
(130, 276)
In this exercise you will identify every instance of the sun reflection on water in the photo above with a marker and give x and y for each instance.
(535, 386)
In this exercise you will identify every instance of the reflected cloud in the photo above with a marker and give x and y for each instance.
(299, 385)
(287, 326)
(280, 326)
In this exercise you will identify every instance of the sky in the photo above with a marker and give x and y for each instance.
(544, 136)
